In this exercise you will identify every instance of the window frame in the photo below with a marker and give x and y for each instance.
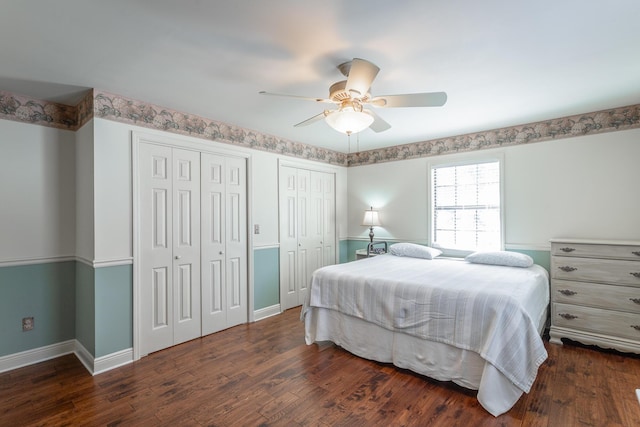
(463, 161)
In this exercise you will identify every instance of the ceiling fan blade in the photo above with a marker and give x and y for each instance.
(304, 98)
(361, 75)
(379, 124)
(310, 120)
(429, 99)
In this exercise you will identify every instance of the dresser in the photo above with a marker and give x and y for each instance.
(595, 293)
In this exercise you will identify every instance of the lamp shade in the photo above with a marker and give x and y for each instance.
(349, 121)
(371, 218)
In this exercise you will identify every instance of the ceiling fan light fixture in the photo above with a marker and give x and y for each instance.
(349, 121)
(350, 118)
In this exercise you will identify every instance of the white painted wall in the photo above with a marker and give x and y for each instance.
(264, 195)
(37, 192)
(113, 192)
(583, 187)
(84, 193)
(398, 191)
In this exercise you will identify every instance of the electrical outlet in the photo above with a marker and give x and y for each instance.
(27, 324)
(256, 228)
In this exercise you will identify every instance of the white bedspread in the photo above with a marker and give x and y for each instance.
(491, 310)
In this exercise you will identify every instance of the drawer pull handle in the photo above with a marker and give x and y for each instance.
(569, 292)
(567, 316)
(636, 300)
(635, 275)
(636, 253)
(567, 250)
(636, 327)
(568, 269)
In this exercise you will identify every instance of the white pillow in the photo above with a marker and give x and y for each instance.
(509, 259)
(414, 251)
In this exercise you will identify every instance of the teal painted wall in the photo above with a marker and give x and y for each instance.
(67, 300)
(352, 247)
(85, 327)
(266, 277)
(344, 251)
(542, 258)
(44, 291)
(113, 309)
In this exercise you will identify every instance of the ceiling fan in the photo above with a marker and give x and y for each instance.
(352, 95)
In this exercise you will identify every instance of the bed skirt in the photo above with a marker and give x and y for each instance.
(439, 361)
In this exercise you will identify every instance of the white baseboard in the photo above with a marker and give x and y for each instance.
(93, 365)
(263, 313)
(36, 355)
(84, 356)
(112, 361)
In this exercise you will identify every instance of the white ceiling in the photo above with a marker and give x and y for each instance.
(501, 63)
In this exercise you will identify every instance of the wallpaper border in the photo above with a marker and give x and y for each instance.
(118, 108)
(25, 109)
(616, 119)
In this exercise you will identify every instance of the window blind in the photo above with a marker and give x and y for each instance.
(466, 206)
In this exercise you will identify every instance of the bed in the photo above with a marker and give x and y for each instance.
(477, 325)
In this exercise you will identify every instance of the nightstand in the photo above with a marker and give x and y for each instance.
(373, 249)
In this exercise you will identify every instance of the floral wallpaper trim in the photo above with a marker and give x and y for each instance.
(24, 109)
(118, 108)
(84, 110)
(616, 119)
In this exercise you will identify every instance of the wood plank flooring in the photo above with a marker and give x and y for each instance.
(263, 374)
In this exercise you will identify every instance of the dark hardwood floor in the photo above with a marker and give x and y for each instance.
(264, 374)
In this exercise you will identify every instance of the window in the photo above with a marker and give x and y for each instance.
(465, 207)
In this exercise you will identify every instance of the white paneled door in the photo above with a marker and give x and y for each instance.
(328, 218)
(169, 205)
(224, 243)
(192, 244)
(307, 229)
(288, 207)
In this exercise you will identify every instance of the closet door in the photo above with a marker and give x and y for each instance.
(328, 219)
(236, 244)
(186, 245)
(314, 232)
(306, 242)
(224, 243)
(169, 246)
(307, 230)
(288, 212)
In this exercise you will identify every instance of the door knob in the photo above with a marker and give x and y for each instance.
(221, 253)
(178, 257)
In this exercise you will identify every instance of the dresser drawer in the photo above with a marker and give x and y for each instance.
(630, 252)
(596, 270)
(622, 298)
(616, 323)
